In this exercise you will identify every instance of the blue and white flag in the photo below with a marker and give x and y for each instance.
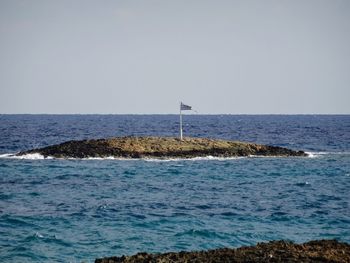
(185, 107)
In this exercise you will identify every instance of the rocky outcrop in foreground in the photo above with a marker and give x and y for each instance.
(276, 251)
(159, 147)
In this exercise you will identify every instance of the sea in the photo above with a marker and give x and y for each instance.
(76, 210)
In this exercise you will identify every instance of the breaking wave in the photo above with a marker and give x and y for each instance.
(204, 158)
(320, 154)
(29, 156)
(38, 156)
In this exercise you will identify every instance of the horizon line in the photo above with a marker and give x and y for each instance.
(191, 114)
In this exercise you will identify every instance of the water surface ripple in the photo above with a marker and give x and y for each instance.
(77, 210)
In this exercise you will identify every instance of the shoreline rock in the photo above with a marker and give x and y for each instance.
(274, 251)
(160, 147)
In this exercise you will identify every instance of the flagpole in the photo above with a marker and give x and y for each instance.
(180, 123)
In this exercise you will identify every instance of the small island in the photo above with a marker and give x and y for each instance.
(160, 147)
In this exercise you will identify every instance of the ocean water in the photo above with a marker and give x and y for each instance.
(56, 210)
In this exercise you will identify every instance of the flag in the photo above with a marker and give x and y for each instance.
(185, 107)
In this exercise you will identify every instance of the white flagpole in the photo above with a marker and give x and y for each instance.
(180, 123)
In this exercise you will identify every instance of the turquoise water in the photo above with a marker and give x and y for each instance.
(78, 210)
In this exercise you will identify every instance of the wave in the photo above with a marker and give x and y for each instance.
(315, 154)
(203, 158)
(38, 156)
(320, 154)
(29, 156)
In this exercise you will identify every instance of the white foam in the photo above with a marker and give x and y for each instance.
(319, 154)
(38, 156)
(29, 156)
(269, 156)
(97, 158)
(215, 158)
(37, 234)
(6, 155)
(315, 154)
(205, 158)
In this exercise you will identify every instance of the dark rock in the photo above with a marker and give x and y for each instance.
(275, 251)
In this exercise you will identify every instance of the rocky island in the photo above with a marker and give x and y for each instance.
(159, 147)
(331, 251)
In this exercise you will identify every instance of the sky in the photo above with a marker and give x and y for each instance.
(144, 57)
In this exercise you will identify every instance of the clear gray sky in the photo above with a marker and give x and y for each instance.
(237, 57)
